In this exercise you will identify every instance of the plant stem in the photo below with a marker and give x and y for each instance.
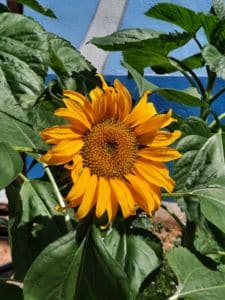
(174, 216)
(188, 235)
(59, 196)
(217, 95)
(220, 117)
(197, 80)
(23, 177)
(174, 195)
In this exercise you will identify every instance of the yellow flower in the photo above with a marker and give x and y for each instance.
(116, 154)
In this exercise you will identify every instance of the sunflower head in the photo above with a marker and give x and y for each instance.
(116, 154)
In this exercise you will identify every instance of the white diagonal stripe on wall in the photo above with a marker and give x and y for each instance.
(106, 20)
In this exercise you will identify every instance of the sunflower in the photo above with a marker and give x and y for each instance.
(116, 154)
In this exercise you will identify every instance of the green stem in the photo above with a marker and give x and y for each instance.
(174, 216)
(59, 196)
(220, 117)
(23, 177)
(197, 80)
(25, 149)
(188, 236)
(174, 195)
(217, 95)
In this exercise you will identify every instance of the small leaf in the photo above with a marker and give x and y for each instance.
(142, 84)
(215, 60)
(209, 24)
(195, 280)
(188, 97)
(125, 38)
(195, 126)
(35, 5)
(11, 164)
(176, 14)
(219, 8)
(192, 62)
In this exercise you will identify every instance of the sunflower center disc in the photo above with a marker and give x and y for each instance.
(110, 149)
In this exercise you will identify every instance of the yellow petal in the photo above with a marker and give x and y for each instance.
(89, 199)
(143, 198)
(124, 101)
(165, 138)
(162, 154)
(77, 168)
(98, 103)
(142, 112)
(152, 125)
(79, 187)
(103, 196)
(104, 84)
(156, 173)
(80, 124)
(63, 152)
(55, 134)
(123, 197)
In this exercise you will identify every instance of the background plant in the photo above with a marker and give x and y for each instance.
(87, 263)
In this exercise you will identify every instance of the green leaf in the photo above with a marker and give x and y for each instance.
(188, 97)
(35, 5)
(11, 164)
(212, 202)
(201, 161)
(142, 84)
(101, 276)
(219, 8)
(18, 134)
(23, 61)
(176, 14)
(192, 62)
(195, 126)
(134, 255)
(65, 59)
(55, 272)
(195, 280)
(215, 60)
(10, 291)
(210, 24)
(34, 222)
(124, 39)
(154, 52)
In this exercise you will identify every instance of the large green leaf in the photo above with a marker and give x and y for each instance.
(215, 60)
(23, 61)
(210, 24)
(65, 59)
(11, 164)
(34, 222)
(196, 282)
(195, 126)
(134, 255)
(18, 134)
(10, 291)
(176, 14)
(35, 5)
(212, 202)
(202, 160)
(55, 272)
